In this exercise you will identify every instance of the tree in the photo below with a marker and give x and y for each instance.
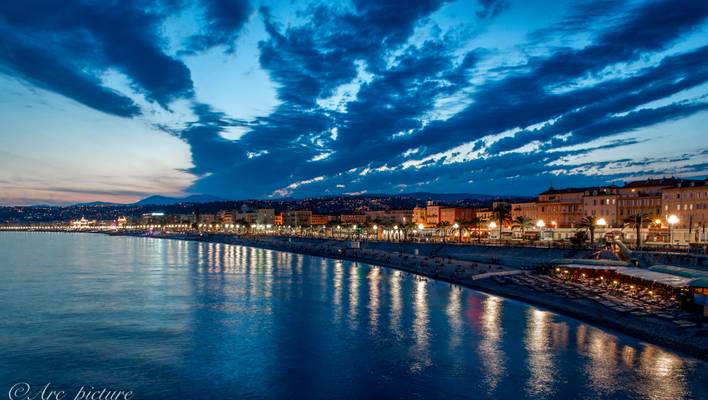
(637, 221)
(442, 227)
(407, 228)
(463, 226)
(589, 223)
(522, 223)
(503, 215)
(477, 223)
(579, 239)
(331, 225)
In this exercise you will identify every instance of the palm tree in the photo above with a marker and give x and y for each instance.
(477, 223)
(331, 225)
(407, 228)
(442, 227)
(637, 221)
(522, 223)
(588, 223)
(366, 228)
(503, 214)
(462, 226)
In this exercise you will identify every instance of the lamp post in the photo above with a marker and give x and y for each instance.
(672, 220)
(457, 226)
(540, 224)
(493, 225)
(601, 223)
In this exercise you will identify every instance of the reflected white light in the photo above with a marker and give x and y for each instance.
(490, 346)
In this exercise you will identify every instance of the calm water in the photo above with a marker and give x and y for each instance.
(174, 319)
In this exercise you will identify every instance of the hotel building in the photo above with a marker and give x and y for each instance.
(561, 208)
(688, 201)
(602, 202)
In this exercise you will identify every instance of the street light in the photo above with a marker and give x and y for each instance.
(455, 226)
(601, 222)
(421, 226)
(540, 224)
(672, 220)
(492, 225)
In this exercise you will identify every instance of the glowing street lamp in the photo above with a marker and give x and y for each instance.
(540, 224)
(601, 222)
(492, 225)
(672, 220)
(455, 225)
(421, 226)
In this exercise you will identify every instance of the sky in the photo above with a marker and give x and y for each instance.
(119, 100)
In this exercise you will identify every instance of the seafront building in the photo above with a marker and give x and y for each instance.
(603, 202)
(688, 202)
(672, 210)
(560, 208)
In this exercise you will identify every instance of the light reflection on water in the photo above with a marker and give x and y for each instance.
(174, 319)
(421, 329)
(541, 366)
(396, 304)
(489, 347)
(374, 282)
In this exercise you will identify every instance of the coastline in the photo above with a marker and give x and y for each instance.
(476, 276)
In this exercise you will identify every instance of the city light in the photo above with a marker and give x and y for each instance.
(672, 219)
(455, 226)
(420, 227)
(601, 222)
(540, 223)
(492, 225)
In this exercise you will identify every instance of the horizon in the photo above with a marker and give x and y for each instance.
(268, 100)
(286, 199)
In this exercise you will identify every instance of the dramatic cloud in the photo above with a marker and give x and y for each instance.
(222, 23)
(386, 95)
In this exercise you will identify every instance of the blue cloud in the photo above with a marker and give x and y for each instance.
(383, 96)
(222, 22)
(85, 40)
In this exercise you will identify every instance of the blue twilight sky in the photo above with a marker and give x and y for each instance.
(118, 100)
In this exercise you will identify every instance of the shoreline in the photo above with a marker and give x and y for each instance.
(650, 329)
(476, 276)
